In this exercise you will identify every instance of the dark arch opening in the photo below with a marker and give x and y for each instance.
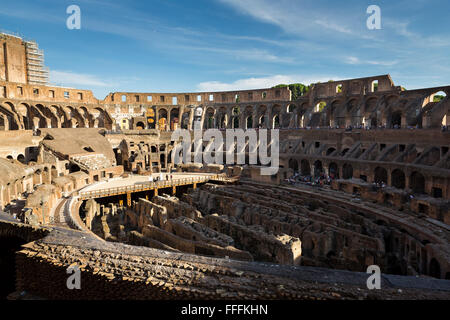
(318, 168)
(140, 125)
(293, 164)
(249, 122)
(305, 168)
(373, 122)
(398, 179)
(417, 183)
(276, 122)
(21, 158)
(235, 122)
(435, 269)
(380, 175)
(397, 119)
(347, 171)
(333, 171)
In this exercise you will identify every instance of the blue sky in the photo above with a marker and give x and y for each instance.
(184, 46)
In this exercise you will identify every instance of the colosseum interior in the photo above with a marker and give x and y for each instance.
(363, 179)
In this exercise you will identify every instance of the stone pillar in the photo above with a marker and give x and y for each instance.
(255, 117)
(230, 119)
(268, 123)
(6, 122)
(168, 124)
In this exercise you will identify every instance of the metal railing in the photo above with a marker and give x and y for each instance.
(144, 187)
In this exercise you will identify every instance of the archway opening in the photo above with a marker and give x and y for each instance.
(293, 164)
(236, 122)
(305, 168)
(320, 106)
(417, 183)
(381, 175)
(249, 122)
(276, 122)
(333, 171)
(347, 171)
(140, 125)
(398, 179)
(162, 116)
(396, 119)
(318, 168)
(21, 158)
(438, 96)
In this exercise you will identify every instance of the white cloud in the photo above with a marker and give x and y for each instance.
(294, 16)
(259, 83)
(69, 78)
(356, 61)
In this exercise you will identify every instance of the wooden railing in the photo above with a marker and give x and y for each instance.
(145, 187)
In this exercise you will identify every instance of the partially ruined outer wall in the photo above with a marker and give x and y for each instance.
(12, 60)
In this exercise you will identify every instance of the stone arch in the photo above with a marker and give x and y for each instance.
(370, 105)
(320, 106)
(398, 179)
(333, 170)
(337, 113)
(276, 116)
(174, 118)
(8, 118)
(305, 168)
(223, 121)
(75, 114)
(162, 116)
(249, 122)
(276, 121)
(347, 171)
(185, 118)
(140, 125)
(318, 168)
(21, 158)
(380, 175)
(417, 182)
(262, 119)
(87, 117)
(293, 164)
(235, 117)
(396, 119)
(209, 118)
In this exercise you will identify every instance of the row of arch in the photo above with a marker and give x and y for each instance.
(380, 175)
(25, 116)
(390, 110)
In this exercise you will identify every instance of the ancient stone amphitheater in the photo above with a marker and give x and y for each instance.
(363, 179)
